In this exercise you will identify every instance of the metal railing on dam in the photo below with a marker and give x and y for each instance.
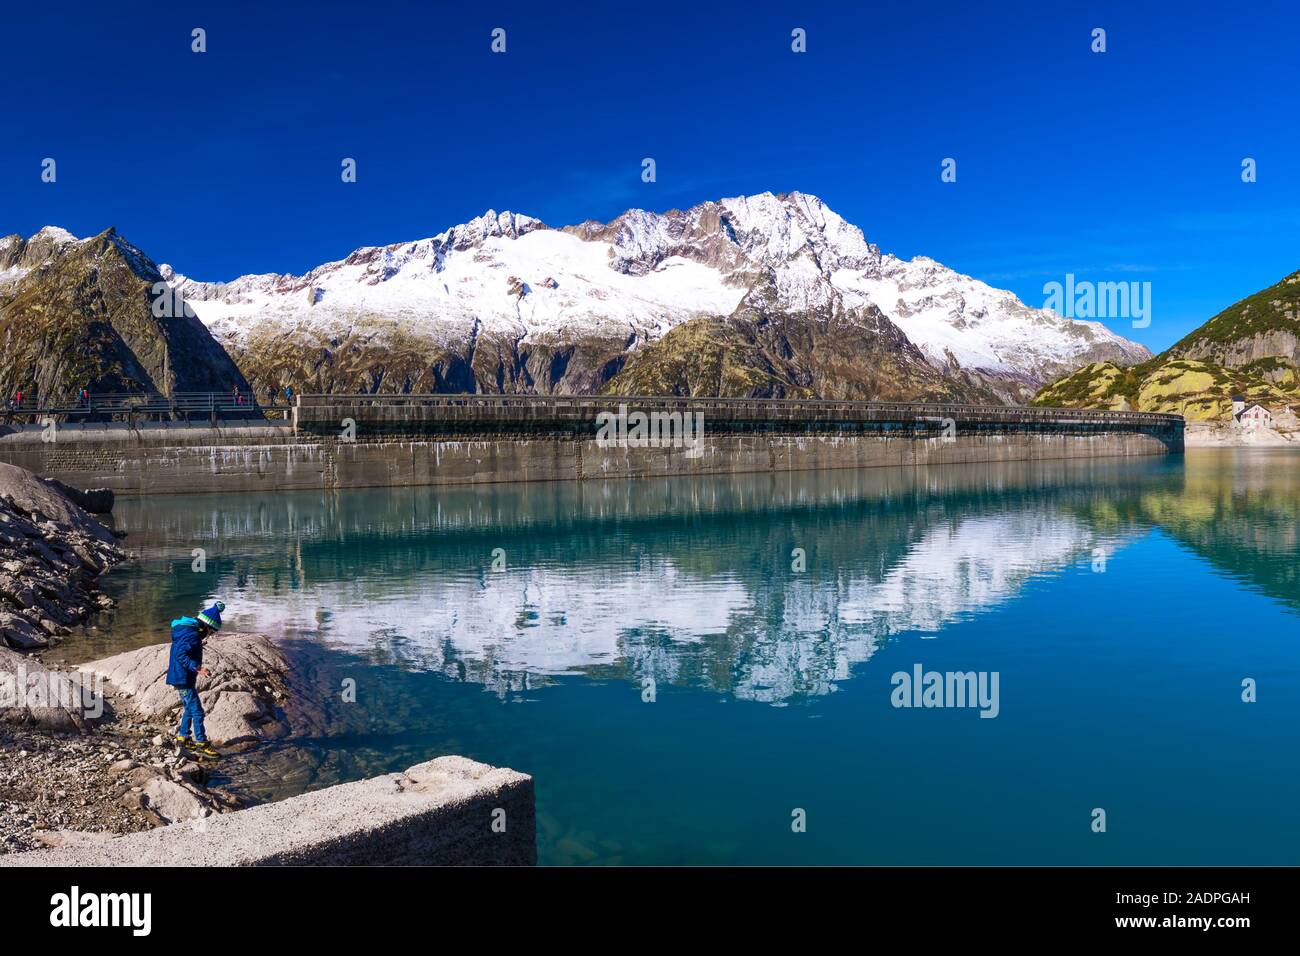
(142, 407)
(578, 414)
(548, 412)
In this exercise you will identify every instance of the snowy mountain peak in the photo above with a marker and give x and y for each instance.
(504, 224)
(490, 225)
(468, 235)
(55, 234)
(777, 228)
(18, 256)
(504, 277)
(738, 236)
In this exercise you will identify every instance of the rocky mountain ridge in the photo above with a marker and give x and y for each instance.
(85, 313)
(792, 299)
(506, 303)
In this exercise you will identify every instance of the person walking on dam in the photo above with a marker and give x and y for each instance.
(184, 668)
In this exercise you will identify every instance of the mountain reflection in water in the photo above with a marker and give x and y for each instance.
(1121, 601)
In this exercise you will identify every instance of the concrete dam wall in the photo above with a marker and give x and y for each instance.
(373, 441)
(451, 811)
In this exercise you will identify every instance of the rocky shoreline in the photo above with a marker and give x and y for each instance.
(87, 753)
(89, 771)
(51, 554)
(66, 789)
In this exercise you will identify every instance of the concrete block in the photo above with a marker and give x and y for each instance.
(451, 811)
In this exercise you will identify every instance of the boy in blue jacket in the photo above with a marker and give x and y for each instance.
(183, 670)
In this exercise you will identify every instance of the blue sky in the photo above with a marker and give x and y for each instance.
(1117, 166)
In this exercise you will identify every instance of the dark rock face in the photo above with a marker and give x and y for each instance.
(762, 351)
(51, 552)
(95, 501)
(364, 364)
(81, 314)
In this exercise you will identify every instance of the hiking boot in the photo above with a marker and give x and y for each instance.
(204, 749)
(183, 742)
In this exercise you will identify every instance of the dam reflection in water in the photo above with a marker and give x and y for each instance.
(682, 662)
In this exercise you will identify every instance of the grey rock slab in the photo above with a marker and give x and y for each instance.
(29, 691)
(238, 696)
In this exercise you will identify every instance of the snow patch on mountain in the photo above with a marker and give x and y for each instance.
(55, 234)
(961, 322)
(528, 281)
(18, 256)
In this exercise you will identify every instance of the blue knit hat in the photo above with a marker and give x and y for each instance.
(212, 616)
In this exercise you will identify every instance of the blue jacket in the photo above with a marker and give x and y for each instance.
(187, 652)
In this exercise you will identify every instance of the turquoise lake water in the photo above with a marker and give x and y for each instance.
(680, 690)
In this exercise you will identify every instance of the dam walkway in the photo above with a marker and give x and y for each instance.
(330, 442)
(538, 414)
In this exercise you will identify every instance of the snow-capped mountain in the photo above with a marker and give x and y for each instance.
(768, 295)
(600, 291)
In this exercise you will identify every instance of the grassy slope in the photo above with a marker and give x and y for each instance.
(1181, 380)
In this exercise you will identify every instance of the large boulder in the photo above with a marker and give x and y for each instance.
(243, 696)
(16, 631)
(32, 693)
(33, 494)
(170, 797)
(96, 501)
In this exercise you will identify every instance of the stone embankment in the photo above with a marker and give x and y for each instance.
(450, 811)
